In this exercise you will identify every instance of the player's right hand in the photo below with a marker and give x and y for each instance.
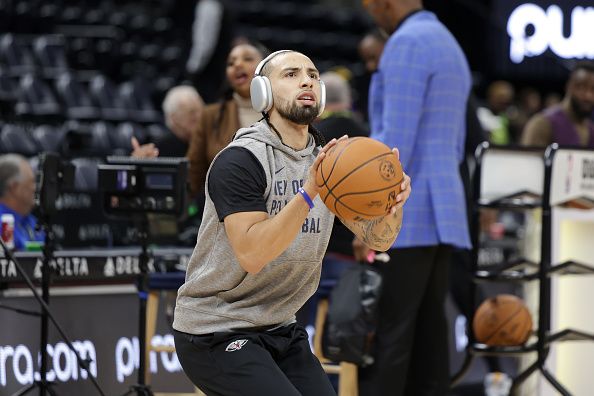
(310, 185)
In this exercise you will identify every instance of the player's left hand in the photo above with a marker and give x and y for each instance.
(405, 188)
(143, 151)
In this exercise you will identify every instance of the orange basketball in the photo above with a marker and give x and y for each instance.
(503, 320)
(359, 179)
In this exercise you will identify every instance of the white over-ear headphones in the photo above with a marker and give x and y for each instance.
(261, 89)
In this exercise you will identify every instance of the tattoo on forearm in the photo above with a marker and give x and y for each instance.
(379, 232)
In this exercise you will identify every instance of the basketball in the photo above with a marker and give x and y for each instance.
(359, 179)
(503, 320)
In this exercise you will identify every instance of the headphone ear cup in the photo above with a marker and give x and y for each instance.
(322, 97)
(261, 94)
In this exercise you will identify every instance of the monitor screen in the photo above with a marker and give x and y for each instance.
(159, 181)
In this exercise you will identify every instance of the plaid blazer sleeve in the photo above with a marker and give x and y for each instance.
(404, 74)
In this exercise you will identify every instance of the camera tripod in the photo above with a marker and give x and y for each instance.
(141, 388)
(44, 386)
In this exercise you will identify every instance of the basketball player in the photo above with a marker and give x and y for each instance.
(260, 246)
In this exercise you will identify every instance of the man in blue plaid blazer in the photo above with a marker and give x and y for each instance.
(417, 103)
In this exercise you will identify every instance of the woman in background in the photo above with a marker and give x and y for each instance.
(221, 120)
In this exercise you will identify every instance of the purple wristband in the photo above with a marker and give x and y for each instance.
(307, 198)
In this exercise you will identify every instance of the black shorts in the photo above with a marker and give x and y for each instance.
(244, 363)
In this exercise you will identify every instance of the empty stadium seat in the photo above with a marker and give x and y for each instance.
(80, 54)
(15, 55)
(35, 98)
(156, 131)
(15, 139)
(8, 92)
(71, 15)
(50, 54)
(136, 96)
(75, 98)
(121, 138)
(106, 95)
(106, 56)
(123, 135)
(48, 138)
(100, 138)
(82, 139)
(94, 16)
(23, 17)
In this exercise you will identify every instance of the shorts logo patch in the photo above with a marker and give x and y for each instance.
(235, 345)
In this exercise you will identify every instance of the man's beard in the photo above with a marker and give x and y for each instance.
(579, 110)
(298, 114)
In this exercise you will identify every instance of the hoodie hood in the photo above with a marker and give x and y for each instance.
(262, 132)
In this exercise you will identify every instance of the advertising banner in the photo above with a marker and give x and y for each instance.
(102, 323)
(540, 39)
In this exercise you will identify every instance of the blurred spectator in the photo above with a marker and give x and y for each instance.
(370, 50)
(409, 110)
(495, 117)
(212, 33)
(551, 99)
(221, 120)
(17, 197)
(529, 103)
(182, 108)
(568, 123)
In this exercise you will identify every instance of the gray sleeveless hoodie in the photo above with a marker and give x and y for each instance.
(218, 294)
